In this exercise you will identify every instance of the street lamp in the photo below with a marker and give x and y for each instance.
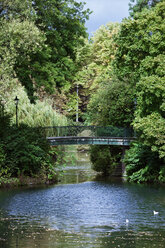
(77, 105)
(16, 104)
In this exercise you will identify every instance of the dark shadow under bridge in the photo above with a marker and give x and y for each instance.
(90, 135)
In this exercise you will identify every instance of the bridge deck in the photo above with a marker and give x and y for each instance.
(90, 135)
(75, 140)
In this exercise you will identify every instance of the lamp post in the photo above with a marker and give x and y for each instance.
(16, 105)
(77, 105)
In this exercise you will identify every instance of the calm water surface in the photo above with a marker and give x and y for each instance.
(82, 211)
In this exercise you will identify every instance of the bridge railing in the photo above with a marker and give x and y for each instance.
(88, 131)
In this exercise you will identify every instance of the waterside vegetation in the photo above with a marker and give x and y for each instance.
(134, 92)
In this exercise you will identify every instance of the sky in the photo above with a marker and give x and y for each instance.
(105, 11)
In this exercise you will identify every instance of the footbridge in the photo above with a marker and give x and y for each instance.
(90, 135)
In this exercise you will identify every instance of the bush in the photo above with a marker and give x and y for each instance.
(162, 174)
(143, 165)
(105, 158)
(23, 150)
(26, 149)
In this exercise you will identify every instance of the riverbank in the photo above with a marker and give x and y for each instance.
(26, 181)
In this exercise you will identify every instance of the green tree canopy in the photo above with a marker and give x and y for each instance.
(18, 40)
(141, 59)
(113, 104)
(136, 6)
(141, 43)
(94, 62)
(62, 24)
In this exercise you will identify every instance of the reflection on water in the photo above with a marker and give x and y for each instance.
(83, 212)
(79, 169)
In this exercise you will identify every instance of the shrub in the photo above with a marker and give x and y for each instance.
(105, 158)
(23, 150)
(26, 149)
(143, 165)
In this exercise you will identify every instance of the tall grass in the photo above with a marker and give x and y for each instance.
(38, 114)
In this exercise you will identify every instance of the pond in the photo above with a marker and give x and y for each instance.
(83, 211)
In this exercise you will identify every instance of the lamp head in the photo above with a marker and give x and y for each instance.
(16, 100)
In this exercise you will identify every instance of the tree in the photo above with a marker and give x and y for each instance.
(62, 24)
(113, 104)
(143, 165)
(105, 158)
(140, 5)
(31, 114)
(94, 63)
(24, 150)
(102, 52)
(13, 9)
(150, 115)
(141, 59)
(140, 45)
(18, 40)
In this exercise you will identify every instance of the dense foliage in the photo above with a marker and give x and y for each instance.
(136, 94)
(113, 104)
(24, 151)
(94, 62)
(105, 158)
(143, 165)
(39, 41)
(136, 6)
(111, 101)
(140, 58)
(140, 42)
